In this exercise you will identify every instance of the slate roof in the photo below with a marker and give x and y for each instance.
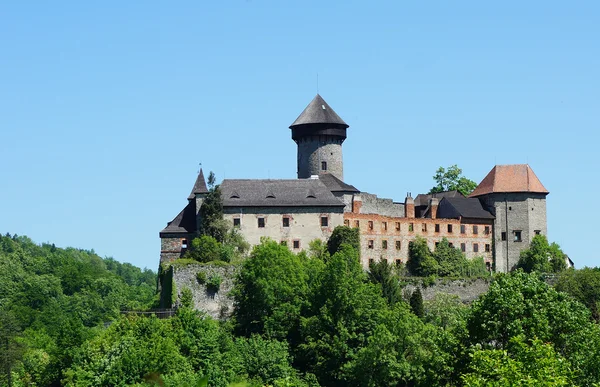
(336, 185)
(423, 199)
(318, 112)
(184, 222)
(277, 193)
(460, 206)
(510, 178)
(199, 186)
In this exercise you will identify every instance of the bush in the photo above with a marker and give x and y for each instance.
(201, 277)
(214, 283)
(187, 298)
(204, 249)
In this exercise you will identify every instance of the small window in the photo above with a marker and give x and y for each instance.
(347, 222)
(286, 222)
(509, 208)
(237, 222)
(411, 227)
(437, 227)
(398, 245)
(371, 261)
(450, 228)
(451, 244)
(463, 229)
(538, 232)
(357, 223)
(397, 226)
(296, 244)
(261, 222)
(324, 221)
(475, 248)
(437, 244)
(398, 262)
(323, 165)
(384, 226)
(370, 224)
(184, 243)
(486, 230)
(503, 235)
(518, 236)
(463, 247)
(424, 227)
(487, 247)
(384, 244)
(283, 243)
(370, 244)
(475, 230)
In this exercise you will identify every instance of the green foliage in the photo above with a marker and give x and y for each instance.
(342, 235)
(416, 303)
(451, 179)
(584, 286)
(187, 299)
(446, 311)
(214, 283)
(201, 277)
(381, 273)
(317, 249)
(211, 213)
(204, 249)
(542, 257)
(420, 259)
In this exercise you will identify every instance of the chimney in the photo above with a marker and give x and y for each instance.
(356, 204)
(409, 206)
(433, 206)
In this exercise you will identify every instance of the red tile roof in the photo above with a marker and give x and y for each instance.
(510, 178)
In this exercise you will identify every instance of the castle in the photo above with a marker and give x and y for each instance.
(496, 221)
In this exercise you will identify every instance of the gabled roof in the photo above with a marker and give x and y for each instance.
(336, 185)
(199, 186)
(184, 222)
(277, 193)
(318, 112)
(423, 199)
(510, 178)
(460, 206)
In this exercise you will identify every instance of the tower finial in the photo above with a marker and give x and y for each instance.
(317, 83)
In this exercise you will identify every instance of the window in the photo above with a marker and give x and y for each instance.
(398, 245)
(261, 222)
(283, 243)
(357, 223)
(323, 165)
(296, 244)
(463, 247)
(437, 227)
(518, 236)
(397, 226)
(286, 222)
(475, 230)
(538, 232)
(384, 226)
(463, 229)
(184, 243)
(451, 244)
(424, 227)
(324, 221)
(509, 208)
(487, 247)
(347, 222)
(450, 228)
(437, 244)
(411, 227)
(398, 262)
(475, 248)
(237, 222)
(371, 261)
(384, 244)
(486, 230)
(370, 223)
(370, 243)
(503, 235)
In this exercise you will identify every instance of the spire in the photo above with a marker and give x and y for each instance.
(318, 112)
(199, 186)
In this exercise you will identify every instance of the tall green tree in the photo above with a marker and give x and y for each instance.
(542, 256)
(584, 286)
(420, 259)
(343, 235)
(211, 212)
(381, 273)
(452, 179)
(11, 350)
(416, 303)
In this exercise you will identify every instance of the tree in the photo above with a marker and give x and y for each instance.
(204, 249)
(451, 179)
(381, 273)
(420, 260)
(10, 349)
(542, 257)
(416, 303)
(211, 212)
(451, 261)
(584, 286)
(343, 235)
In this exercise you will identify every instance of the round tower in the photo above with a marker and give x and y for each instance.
(319, 133)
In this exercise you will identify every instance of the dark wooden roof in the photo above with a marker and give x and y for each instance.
(336, 185)
(423, 199)
(184, 222)
(318, 112)
(277, 193)
(457, 207)
(199, 186)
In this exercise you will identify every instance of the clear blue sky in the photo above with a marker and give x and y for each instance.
(107, 108)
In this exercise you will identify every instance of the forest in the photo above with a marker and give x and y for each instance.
(310, 319)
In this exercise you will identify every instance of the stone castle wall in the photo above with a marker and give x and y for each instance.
(314, 150)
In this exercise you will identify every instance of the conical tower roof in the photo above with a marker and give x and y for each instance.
(318, 112)
(199, 186)
(510, 178)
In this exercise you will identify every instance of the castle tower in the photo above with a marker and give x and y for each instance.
(517, 199)
(319, 133)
